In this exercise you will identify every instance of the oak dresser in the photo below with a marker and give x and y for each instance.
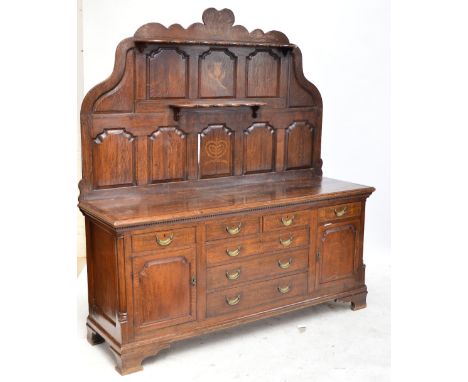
(202, 189)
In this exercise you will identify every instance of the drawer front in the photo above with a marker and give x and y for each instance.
(266, 292)
(164, 239)
(286, 220)
(228, 250)
(225, 229)
(285, 239)
(339, 211)
(259, 267)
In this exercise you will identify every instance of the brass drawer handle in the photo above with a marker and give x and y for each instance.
(234, 252)
(233, 230)
(284, 290)
(234, 275)
(233, 301)
(287, 221)
(340, 212)
(285, 265)
(164, 242)
(287, 242)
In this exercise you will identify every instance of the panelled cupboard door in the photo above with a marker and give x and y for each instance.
(337, 253)
(164, 287)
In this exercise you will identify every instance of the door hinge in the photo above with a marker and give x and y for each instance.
(194, 281)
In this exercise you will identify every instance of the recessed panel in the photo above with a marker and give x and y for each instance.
(216, 151)
(337, 253)
(217, 74)
(263, 73)
(299, 144)
(259, 148)
(168, 155)
(113, 159)
(167, 74)
(162, 290)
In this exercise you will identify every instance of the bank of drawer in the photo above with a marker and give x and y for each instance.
(258, 267)
(229, 228)
(164, 239)
(285, 220)
(226, 251)
(271, 292)
(285, 239)
(339, 211)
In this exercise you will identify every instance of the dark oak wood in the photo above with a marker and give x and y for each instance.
(203, 192)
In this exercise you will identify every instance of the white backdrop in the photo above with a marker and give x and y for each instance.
(345, 46)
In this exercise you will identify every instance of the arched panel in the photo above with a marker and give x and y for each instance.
(167, 155)
(167, 73)
(120, 98)
(217, 74)
(263, 74)
(114, 159)
(299, 144)
(158, 283)
(259, 148)
(216, 151)
(337, 252)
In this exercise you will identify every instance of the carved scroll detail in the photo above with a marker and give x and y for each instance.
(217, 26)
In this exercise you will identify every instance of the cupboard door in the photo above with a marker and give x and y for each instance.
(337, 253)
(164, 289)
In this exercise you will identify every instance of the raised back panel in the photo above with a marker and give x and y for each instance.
(212, 100)
(259, 148)
(114, 159)
(216, 151)
(168, 155)
(263, 74)
(167, 73)
(299, 145)
(217, 77)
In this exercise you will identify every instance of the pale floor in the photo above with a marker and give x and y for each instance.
(81, 262)
(337, 344)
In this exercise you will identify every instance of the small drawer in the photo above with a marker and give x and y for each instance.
(228, 250)
(163, 240)
(340, 211)
(285, 239)
(271, 292)
(238, 272)
(225, 229)
(286, 219)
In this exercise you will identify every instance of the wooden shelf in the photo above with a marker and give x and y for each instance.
(199, 105)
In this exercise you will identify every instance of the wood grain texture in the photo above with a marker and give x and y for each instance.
(259, 148)
(263, 74)
(169, 279)
(216, 151)
(203, 192)
(167, 73)
(114, 159)
(167, 155)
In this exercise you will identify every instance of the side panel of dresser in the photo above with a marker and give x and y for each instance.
(105, 259)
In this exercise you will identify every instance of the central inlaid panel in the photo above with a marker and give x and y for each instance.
(216, 151)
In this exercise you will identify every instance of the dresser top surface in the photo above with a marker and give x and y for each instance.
(169, 202)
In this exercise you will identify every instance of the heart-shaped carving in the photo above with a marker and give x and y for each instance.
(216, 149)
